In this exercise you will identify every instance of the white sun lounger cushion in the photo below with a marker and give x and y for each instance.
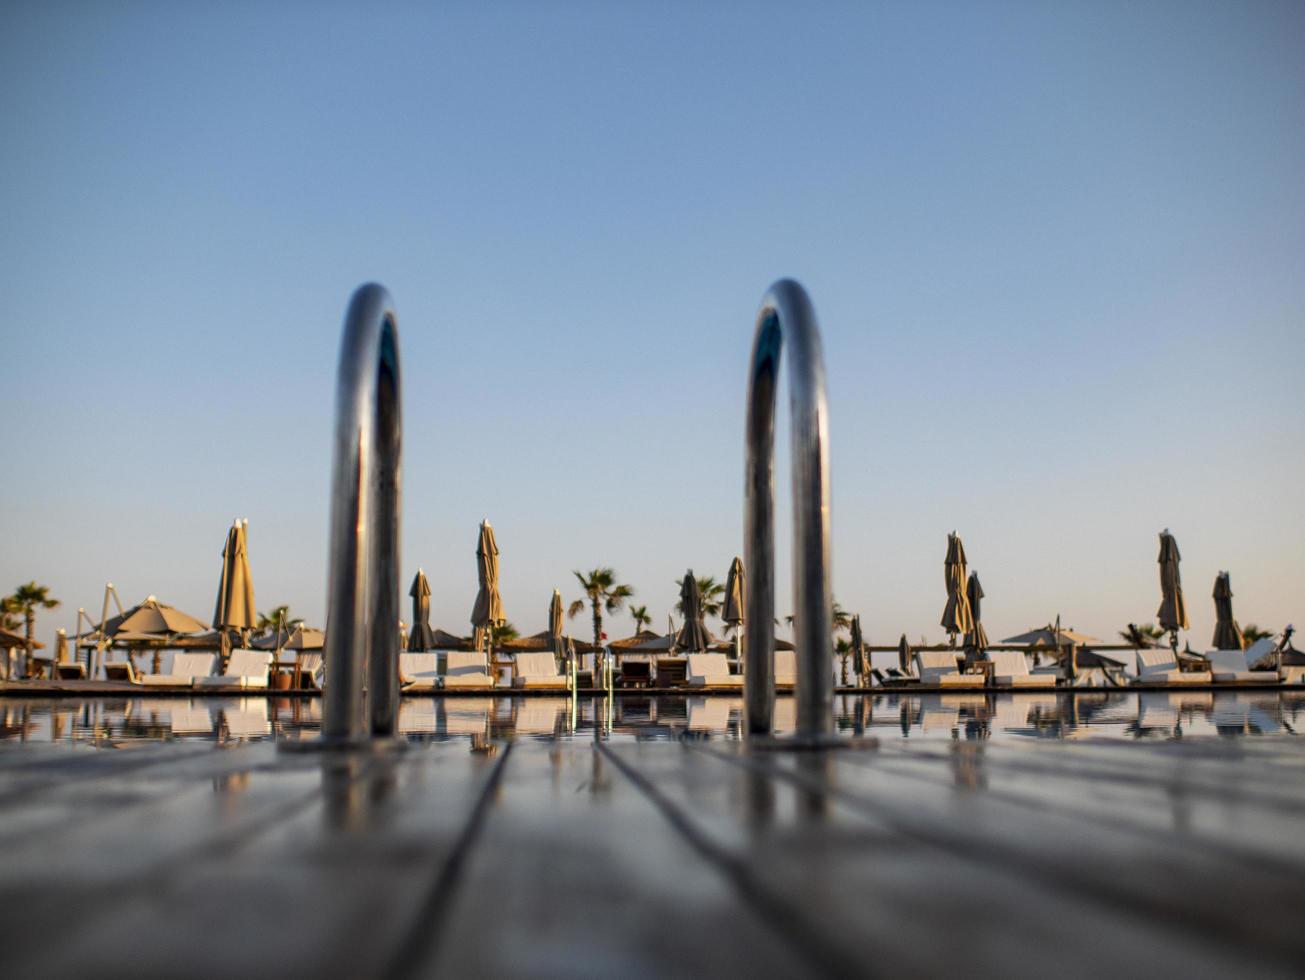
(1010, 669)
(122, 671)
(419, 671)
(1237, 667)
(785, 668)
(537, 670)
(1258, 654)
(939, 667)
(711, 670)
(1159, 666)
(466, 670)
(184, 670)
(245, 669)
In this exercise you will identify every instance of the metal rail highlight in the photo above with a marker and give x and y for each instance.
(361, 695)
(787, 315)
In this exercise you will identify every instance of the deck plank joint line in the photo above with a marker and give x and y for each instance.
(1071, 878)
(420, 945)
(788, 921)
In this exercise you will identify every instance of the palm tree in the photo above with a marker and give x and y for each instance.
(641, 617)
(26, 600)
(603, 593)
(278, 618)
(712, 592)
(1141, 636)
(504, 632)
(843, 648)
(9, 619)
(839, 618)
(1252, 633)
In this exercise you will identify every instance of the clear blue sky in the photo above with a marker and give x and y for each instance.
(1057, 251)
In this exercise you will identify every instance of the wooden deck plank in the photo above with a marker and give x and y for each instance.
(922, 903)
(1245, 815)
(308, 865)
(1157, 895)
(577, 874)
(562, 856)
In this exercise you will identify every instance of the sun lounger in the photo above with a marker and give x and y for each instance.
(711, 670)
(636, 673)
(466, 670)
(938, 667)
(537, 670)
(785, 670)
(1235, 667)
(121, 671)
(892, 677)
(245, 669)
(1010, 669)
(183, 671)
(672, 672)
(70, 672)
(419, 671)
(310, 667)
(1160, 666)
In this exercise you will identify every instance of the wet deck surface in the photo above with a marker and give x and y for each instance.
(568, 856)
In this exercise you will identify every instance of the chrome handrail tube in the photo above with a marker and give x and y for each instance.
(361, 695)
(787, 317)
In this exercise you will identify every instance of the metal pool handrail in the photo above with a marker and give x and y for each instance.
(786, 315)
(361, 695)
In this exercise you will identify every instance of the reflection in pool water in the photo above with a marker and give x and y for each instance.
(110, 722)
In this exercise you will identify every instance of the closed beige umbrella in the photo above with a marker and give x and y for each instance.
(693, 637)
(422, 637)
(1227, 634)
(556, 641)
(488, 610)
(957, 617)
(235, 600)
(736, 602)
(862, 662)
(977, 638)
(1172, 614)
